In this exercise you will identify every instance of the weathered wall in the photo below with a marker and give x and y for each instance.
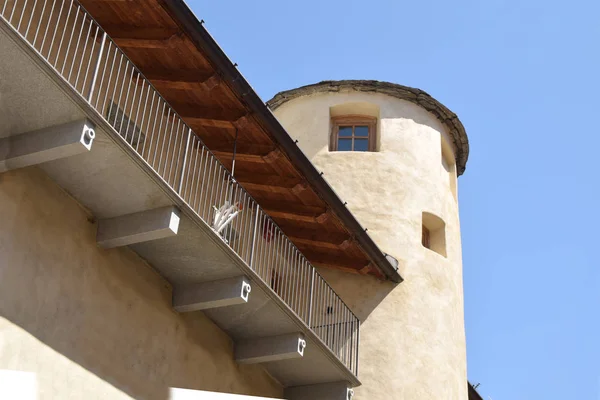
(93, 323)
(412, 337)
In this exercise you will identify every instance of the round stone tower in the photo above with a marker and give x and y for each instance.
(393, 153)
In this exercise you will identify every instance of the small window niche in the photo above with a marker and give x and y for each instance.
(433, 234)
(354, 127)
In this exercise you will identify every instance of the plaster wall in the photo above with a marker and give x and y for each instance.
(412, 334)
(89, 323)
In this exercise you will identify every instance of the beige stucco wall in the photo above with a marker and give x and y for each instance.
(412, 335)
(90, 323)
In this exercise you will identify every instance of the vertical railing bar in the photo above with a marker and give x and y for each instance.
(195, 182)
(207, 196)
(147, 130)
(178, 145)
(21, 17)
(201, 190)
(187, 186)
(137, 103)
(167, 177)
(62, 70)
(77, 45)
(293, 279)
(13, 11)
(206, 174)
(112, 68)
(310, 297)
(124, 106)
(112, 97)
(87, 69)
(4, 8)
(31, 18)
(204, 186)
(96, 68)
(83, 52)
(183, 165)
(166, 138)
(118, 103)
(62, 36)
(102, 109)
(159, 134)
(154, 133)
(62, 6)
(296, 282)
(133, 105)
(37, 30)
(47, 26)
(149, 88)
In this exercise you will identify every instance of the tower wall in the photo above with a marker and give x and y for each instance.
(412, 343)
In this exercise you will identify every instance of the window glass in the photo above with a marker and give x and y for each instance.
(361, 131)
(345, 145)
(361, 144)
(345, 131)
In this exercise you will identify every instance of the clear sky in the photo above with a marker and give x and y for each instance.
(523, 76)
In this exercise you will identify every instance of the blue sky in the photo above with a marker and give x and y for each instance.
(523, 76)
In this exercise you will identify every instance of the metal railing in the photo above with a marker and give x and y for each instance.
(76, 47)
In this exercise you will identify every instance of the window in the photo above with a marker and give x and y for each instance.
(353, 133)
(433, 236)
(426, 238)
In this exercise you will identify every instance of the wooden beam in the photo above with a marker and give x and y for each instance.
(194, 111)
(294, 231)
(319, 219)
(241, 147)
(294, 208)
(144, 38)
(187, 79)
(249, 158)
(211, 123)
(335, 260)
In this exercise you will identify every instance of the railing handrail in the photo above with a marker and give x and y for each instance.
(223, 185)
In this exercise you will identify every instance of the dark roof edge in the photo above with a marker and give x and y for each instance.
(188, 22)
(417, 96)
(473, 393)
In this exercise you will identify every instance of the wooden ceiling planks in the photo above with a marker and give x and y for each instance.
(187, 80)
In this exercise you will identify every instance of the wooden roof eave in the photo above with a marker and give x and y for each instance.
(318, 206)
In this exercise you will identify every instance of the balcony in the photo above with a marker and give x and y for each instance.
(79, 109)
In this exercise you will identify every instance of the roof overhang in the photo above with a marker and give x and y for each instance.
(449, 119)
(169, 45)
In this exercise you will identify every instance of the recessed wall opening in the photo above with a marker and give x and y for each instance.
(449, 165)
(354, 127)
(433, 233)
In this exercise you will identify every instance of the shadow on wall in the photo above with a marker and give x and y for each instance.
(98, 323)
(362, 293)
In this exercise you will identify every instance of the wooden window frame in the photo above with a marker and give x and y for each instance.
(353, 120)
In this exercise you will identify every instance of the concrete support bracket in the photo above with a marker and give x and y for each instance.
(206, 295)
(321, 391)
(266, 349)
(138, 227)
(46, 144)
